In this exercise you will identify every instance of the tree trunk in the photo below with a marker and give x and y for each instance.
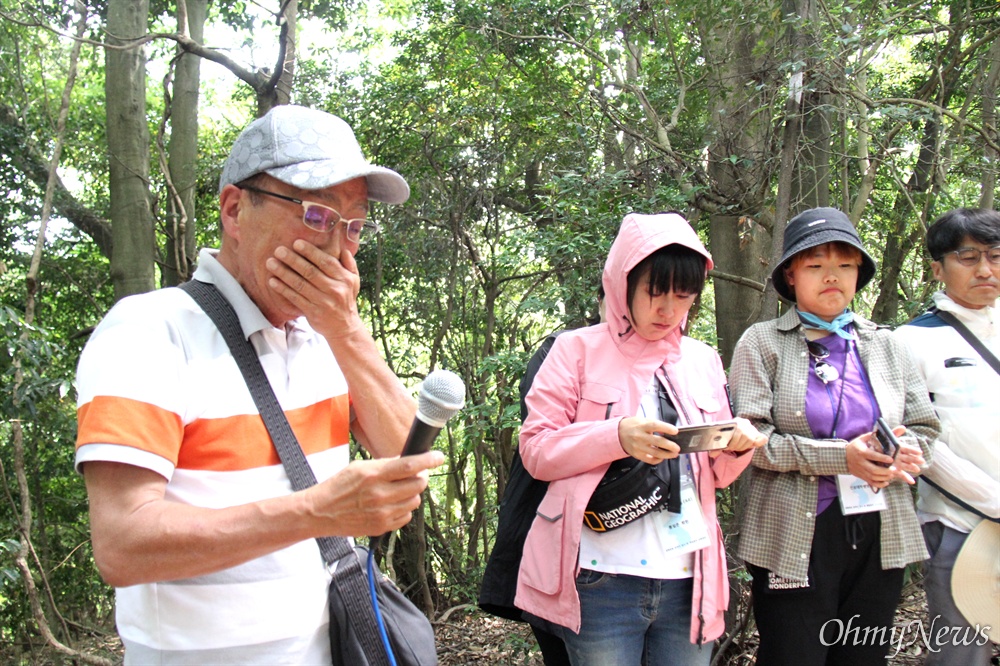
(812, 175)
(740, 169)
(989, 96)
(812, 152)
(896, 246)
(783, 206)
(804, 176)
(132, 265)
(179, 256)
(278, 88)
(737, 304)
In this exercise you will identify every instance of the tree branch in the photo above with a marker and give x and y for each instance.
(35, 166)
(936, 108)
(736, 279)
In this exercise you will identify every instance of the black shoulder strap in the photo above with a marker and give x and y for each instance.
(668, 414)
(969, 336)
(956, 500)
(349, 577)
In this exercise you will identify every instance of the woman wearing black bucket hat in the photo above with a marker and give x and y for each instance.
(825, 547)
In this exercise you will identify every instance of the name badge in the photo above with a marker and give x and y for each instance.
(683, 532)
(856, 496)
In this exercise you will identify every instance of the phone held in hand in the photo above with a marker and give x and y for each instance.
(886, 439)
(704, 437)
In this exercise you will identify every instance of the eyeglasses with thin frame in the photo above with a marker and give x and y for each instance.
(322, 218)
(970, 256)
(824, 370)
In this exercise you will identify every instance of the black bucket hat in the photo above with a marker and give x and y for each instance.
(818, 226)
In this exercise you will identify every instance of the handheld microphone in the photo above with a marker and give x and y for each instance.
(442, 394)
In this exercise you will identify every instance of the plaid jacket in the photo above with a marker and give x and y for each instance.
(768, 382)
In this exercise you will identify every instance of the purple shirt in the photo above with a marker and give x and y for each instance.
(854, 411)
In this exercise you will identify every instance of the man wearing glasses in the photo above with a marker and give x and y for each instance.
(961, 487)
(193, 520)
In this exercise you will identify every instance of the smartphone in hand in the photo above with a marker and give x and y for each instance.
(704, 437)
(886, 439)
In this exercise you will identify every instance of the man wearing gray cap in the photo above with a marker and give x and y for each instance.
(193, 519)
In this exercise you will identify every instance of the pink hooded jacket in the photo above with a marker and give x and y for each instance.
(569, 437)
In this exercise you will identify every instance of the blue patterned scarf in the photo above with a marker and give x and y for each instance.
(838, 325)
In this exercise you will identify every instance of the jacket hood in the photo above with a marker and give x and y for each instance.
(638, 237)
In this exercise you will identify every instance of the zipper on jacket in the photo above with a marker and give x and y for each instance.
(701, 600)
(700, 568)
(699, 557)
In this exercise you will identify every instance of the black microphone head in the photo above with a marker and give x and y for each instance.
(442, 394)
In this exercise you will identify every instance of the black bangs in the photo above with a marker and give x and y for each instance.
(672, 267)
(949, 230)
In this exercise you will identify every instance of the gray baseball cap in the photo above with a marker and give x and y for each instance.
(308, 149)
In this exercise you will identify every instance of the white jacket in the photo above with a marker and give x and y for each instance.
(965, 391)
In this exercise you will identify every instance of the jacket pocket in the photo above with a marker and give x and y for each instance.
(541, 564)
(595, 399)
(704, 399)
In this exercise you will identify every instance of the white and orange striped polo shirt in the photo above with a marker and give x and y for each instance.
(159, 389)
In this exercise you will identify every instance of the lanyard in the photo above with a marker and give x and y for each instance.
(835, 409)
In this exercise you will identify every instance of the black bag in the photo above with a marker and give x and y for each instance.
(518, 506)
(631, 488)
(409, 631)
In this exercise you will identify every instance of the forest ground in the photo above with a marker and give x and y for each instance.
(468, 637)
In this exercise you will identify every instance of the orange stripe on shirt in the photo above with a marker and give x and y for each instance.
(224, 444)
(116, 420)
(242, 442)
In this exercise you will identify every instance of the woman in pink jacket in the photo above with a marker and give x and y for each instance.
(653, 590)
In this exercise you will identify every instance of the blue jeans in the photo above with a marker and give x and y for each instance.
(628, 621)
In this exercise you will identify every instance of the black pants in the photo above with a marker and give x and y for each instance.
(845, 615)
(552, 647)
